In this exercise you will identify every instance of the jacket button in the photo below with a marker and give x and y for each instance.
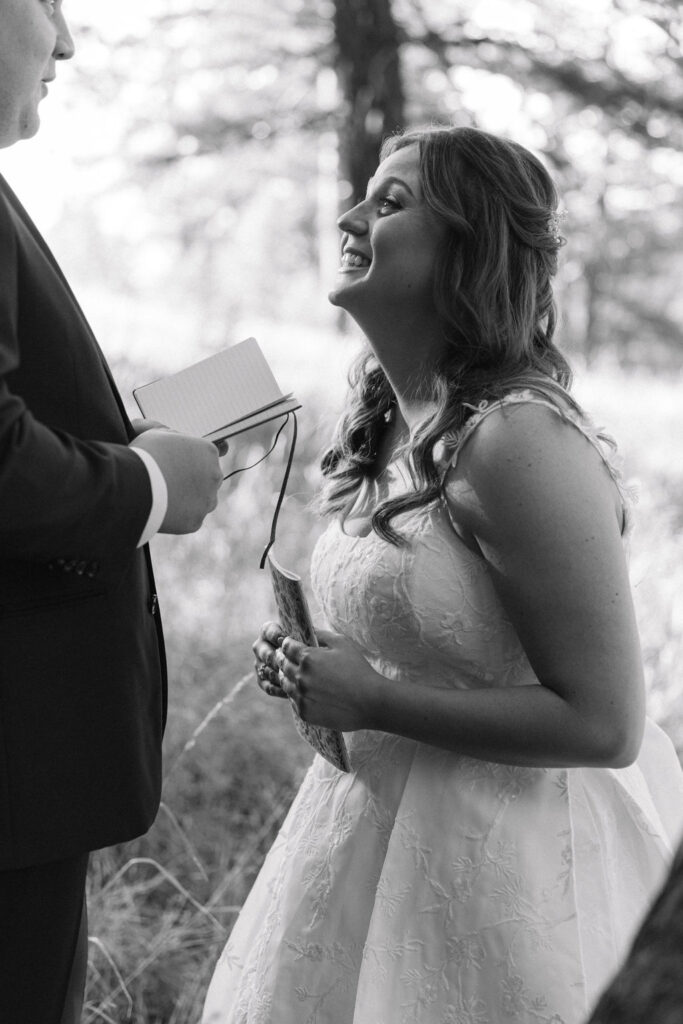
(92, 569)
(153, 604)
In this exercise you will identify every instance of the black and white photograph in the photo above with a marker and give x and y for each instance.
(341, 508)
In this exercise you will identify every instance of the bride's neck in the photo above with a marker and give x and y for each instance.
(409, 352)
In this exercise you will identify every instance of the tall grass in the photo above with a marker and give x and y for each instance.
(161, 907)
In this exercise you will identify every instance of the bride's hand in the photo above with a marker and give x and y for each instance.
(331, 685)
(266, 665)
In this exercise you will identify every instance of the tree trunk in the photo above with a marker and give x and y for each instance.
(649, 987)
(368, 69)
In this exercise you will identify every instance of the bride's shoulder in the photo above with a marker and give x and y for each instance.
(526, 451)
(489, 419)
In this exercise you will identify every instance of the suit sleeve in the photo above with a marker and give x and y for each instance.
(60, 496)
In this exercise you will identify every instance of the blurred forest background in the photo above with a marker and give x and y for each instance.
(196, 157)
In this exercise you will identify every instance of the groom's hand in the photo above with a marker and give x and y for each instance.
(140, 426)
(192, 473)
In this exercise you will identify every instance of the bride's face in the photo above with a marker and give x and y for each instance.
(389, 245)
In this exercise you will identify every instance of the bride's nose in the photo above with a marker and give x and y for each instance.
(354, 221)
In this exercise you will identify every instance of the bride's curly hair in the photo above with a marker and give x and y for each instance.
(493, 292)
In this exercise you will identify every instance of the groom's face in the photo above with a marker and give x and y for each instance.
(33, 36)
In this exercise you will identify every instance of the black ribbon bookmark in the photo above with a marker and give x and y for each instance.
(283, 488)
(285, 478)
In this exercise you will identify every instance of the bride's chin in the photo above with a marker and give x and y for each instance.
(343, 293)
(337, 297)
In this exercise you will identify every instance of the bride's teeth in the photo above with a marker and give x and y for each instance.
(352, 259)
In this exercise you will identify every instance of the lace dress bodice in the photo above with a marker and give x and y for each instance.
(427, 611)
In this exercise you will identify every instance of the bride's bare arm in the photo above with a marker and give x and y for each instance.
(535, 498)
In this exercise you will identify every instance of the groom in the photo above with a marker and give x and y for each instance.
(82, 672)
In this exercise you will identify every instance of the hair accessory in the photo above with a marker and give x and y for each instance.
(554, 221)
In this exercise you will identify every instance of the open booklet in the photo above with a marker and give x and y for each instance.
(295, 619)
(220, 396)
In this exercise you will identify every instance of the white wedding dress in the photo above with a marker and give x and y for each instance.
(429, 888)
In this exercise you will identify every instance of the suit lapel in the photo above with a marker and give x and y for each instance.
(23, 216)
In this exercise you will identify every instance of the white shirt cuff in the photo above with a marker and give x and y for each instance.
(159, 496)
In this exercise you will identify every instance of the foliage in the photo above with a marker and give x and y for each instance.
(221, 143)
(161, 907)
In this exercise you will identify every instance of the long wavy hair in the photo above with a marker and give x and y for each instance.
(493, 292)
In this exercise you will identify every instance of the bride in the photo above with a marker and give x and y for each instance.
(510, 810)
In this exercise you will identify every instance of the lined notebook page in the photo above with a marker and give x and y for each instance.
(213, 393)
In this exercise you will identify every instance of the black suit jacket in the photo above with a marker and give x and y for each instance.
(82, 674)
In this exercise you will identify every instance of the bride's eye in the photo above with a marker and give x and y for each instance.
(388, 204)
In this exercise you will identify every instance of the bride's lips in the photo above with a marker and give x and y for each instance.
(353, 260)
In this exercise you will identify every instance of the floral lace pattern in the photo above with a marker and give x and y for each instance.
(425, 887)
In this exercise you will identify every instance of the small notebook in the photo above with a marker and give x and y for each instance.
(295, 619)
(220, 396)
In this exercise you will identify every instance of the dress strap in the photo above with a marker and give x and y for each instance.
(603, 442)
